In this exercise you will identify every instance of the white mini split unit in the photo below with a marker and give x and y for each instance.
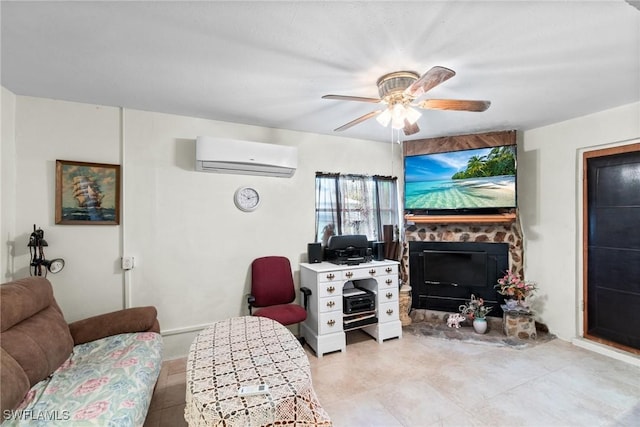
(224, 155)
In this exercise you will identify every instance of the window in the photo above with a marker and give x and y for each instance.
(355, 204)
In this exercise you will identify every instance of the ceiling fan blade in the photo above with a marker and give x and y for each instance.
(410, 129)
(429, 80)
(352, 98)
(358, 120)
(454, 104)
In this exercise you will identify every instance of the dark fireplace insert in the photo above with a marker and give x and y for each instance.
(443, 275)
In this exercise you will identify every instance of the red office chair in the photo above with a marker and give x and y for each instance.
(272, 291)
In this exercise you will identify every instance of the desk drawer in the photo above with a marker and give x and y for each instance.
(388, 311)
(387, 282)
(388, 295)
(330, 322)
(365, 272)
(389, 269)
(330, 289)
(330, 276)
(330, 304)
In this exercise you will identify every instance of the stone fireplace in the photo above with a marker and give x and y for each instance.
(444, 275)
(470, 228)
(508, 234)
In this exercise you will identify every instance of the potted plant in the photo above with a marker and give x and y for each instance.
(477, 311)
(515, 290)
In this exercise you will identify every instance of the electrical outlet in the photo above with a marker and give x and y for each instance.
(127, 262)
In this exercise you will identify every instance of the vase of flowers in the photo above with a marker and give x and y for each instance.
(515, 289)
(480, 325)
(476, 311)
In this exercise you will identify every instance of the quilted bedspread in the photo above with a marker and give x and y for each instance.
(107, 382)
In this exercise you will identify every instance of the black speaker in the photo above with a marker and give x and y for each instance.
(378, 251)
(314, 252)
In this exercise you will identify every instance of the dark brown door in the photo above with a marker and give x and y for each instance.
(612, 246)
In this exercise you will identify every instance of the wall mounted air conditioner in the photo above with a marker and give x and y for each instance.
(224, 155)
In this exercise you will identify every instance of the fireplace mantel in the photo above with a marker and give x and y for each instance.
(462, 219)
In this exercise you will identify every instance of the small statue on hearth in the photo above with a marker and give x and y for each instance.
(453, 321)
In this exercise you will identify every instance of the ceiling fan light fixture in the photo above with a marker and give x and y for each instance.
(384, 118)
(400, 91)
(397, 123)
(412, 115)
(398, 114)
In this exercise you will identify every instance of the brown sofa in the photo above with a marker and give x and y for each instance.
(36, 340)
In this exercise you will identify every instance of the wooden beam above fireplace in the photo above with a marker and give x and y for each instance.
(462, 219)
(458, 142)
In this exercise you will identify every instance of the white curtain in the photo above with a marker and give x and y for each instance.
(355, 204)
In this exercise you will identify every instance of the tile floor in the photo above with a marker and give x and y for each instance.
(426, 381)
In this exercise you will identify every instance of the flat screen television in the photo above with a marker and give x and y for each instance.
(480, 180)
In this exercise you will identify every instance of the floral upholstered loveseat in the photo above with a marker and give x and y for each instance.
(97, 371)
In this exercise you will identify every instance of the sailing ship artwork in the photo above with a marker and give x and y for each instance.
(87, 193)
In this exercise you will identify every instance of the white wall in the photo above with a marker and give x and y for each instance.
(47, 130)
(192, 247)
(549, 197)
(7, 184)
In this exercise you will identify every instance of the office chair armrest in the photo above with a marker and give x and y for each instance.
(250, 300)
(307, 292)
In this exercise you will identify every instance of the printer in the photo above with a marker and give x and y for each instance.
(359, 307)
(351, 249)
(357, 300)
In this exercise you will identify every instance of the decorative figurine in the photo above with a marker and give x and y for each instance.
(453, 321)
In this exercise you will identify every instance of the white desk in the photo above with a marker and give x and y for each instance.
(323, 329)
(245, 351)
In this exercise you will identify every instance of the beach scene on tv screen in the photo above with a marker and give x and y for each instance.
(468, 179)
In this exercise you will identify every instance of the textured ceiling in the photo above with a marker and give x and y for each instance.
(269, 63)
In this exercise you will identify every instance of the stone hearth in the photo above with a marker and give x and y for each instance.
(434, 324)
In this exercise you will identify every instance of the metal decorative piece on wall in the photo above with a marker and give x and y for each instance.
(87, 193)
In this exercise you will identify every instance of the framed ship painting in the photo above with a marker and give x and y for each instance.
(87, 193)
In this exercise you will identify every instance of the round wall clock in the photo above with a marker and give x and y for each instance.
(246, 199)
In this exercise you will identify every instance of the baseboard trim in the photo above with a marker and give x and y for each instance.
(608, 351)
(184, 330)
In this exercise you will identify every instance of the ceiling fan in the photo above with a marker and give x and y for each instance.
(400, 91)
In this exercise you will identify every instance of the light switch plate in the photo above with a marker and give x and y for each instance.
(127, 262)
